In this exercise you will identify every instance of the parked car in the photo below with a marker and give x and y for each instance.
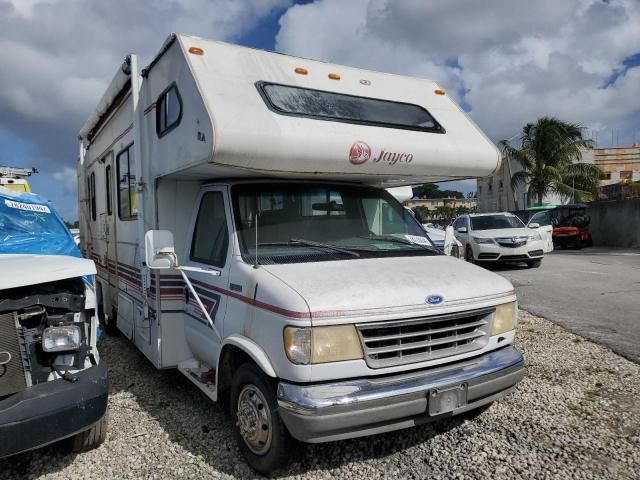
(560, 225)
(499, 238)
(437, 235)
(53, 384)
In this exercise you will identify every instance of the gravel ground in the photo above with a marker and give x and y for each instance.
(576, 415)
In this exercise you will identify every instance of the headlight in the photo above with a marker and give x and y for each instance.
(61, 339)
(322, 344)
(505, 318)
(480, 240)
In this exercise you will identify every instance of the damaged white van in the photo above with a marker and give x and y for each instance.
(234, 201)
(52, 383)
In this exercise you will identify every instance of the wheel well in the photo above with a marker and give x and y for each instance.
(230, 360)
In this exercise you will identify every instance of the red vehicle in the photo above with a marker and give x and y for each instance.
(571, 226)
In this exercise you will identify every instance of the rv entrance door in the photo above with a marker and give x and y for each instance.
(208, 252)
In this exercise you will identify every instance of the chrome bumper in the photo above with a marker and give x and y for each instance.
(353, 408)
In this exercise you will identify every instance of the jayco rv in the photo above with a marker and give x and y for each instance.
(234, 203)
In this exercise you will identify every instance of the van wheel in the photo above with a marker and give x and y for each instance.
(92, 438)
(468, 254)
(110, 321)
(534, 263)
(259, 431)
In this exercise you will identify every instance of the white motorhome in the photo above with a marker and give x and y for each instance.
(234, 202)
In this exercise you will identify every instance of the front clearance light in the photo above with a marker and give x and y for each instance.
(61, 339)
(505, 318)
(322, 344)
(480, 240)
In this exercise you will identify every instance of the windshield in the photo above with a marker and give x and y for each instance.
(317, 222)
(33, 228)
(494, 222)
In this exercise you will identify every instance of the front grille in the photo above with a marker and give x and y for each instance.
(487, 256)
(13, 377)
(510, 242)
(400, 342)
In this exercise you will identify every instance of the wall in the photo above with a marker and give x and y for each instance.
(616, 223)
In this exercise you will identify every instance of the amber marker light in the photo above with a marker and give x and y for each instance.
(334, 76)
(196, 50)
(301, 70)
(439, 92)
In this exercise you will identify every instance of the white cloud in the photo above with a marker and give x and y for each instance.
(519, 59)
(58, 56)
(67, 178)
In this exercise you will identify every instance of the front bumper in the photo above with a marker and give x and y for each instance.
(353, 408)
(51, 411)
(532, 250)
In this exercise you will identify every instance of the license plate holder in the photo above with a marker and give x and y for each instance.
(448, 399)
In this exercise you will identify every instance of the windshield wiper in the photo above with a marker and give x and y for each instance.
(311, 243)
(404, 241)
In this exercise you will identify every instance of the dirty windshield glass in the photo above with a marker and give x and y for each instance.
(347, 108)
(316, 222)
(494, 222)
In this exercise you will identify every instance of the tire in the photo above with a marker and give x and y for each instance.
(268, 448)
(468, 254)
(534, 263)
(578, 243)
(109, 322)
(589, 241)
(91, 438)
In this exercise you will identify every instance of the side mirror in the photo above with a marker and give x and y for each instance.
(534, 225)
(462, 230)
(159, 251)
(418, 216)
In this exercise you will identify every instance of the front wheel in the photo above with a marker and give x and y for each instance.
(261, 435)
(468, 254)
(91, 438)
(578, 243)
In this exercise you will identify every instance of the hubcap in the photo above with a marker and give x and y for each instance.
(254, 419)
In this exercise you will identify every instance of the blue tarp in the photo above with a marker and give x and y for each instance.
(30, 224)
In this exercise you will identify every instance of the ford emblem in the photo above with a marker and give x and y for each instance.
(435, 299)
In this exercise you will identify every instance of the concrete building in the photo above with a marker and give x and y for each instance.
(618, 164)
(496, 195)
(495, 192)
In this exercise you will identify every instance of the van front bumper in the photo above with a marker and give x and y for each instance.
(353, 408)
(50, 411)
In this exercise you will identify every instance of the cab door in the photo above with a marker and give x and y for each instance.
(545, 229)
(209, 253)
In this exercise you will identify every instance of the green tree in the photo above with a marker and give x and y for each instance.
(431, 190)
(550, 155)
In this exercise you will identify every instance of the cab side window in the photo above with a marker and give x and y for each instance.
(211, 236)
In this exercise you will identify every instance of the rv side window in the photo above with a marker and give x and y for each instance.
(306, 102)
(107, 174)
(168, 110)
(127, 209)
(211, 235)
(92, 195)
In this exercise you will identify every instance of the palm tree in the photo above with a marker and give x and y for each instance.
(550, 155)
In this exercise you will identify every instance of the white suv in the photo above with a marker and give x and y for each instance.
(499, 237)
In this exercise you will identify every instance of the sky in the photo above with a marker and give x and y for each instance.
(507, 62)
